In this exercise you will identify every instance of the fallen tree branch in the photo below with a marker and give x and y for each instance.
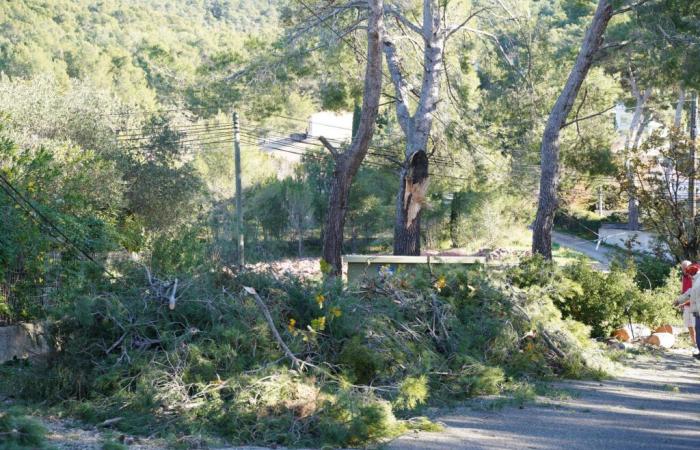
(545, 336)
(116, 344)
(109, 422)
(171, 300)
(296, 362)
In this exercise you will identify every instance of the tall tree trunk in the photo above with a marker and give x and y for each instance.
(300, 238)
(454, 218)
(692, 204)
(633, 201)
(335, 221)
(549, 178)
(632, 140)
(353, 239)
(414, 174)
(348, 162)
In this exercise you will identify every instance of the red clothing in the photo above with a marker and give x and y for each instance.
(688, 275)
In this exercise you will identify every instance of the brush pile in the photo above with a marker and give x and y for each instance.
(297, 362)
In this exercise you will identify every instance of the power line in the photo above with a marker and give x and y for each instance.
(370, 163)
(6, 184)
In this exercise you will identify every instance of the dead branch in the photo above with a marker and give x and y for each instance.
(590, 116)
(171, 299)
(326, 143)
(296, 362)
(629, 7)
(545, 335)
(162, 290)
(117, 343)
(109, 422)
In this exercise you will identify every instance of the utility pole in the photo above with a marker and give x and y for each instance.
(600, 201)
(240, 254)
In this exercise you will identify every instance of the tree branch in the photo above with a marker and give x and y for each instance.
(449, 31)
(400, 85)
(599, 113)
(629, 7)
(326, 143)
(390, 10)
(615, 45)
(296, 362)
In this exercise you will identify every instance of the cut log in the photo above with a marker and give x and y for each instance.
(622, 335)
(669, 329)
(627, 333)
(665, 340)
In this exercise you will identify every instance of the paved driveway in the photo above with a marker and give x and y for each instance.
(603, 254)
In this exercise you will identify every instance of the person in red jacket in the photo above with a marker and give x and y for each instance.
(688, 270)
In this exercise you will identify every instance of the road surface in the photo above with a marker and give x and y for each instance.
(603, 255)
(655, 404)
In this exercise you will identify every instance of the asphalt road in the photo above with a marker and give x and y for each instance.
(655, 404)
(603, 254)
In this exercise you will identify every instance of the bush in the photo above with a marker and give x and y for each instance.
(604, 301)
(18, 432)
(652, 272)
(581, 223)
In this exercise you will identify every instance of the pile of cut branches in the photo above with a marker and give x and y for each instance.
(253, 358)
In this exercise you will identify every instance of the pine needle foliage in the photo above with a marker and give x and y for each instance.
(377, 352)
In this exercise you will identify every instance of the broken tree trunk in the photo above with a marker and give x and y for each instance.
(411, 197)
(417, 127)
(549, 178)
(348, 162)
(665, 340)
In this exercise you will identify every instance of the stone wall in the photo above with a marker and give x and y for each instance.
(21, 341)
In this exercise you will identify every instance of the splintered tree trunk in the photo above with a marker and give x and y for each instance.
(549, 179)
(414, 174)
(414, 185)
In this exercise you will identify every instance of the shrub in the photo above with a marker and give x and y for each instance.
(603, 301)
(652, 272)
(18, 432)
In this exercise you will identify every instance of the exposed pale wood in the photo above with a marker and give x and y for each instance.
(665, 340)
(296, 362)
(622, 335)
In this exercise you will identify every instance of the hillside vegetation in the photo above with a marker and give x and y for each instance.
(146, 52)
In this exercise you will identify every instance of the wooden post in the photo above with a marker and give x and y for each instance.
(240, 254)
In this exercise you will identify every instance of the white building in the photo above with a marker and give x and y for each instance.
(289, 149)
